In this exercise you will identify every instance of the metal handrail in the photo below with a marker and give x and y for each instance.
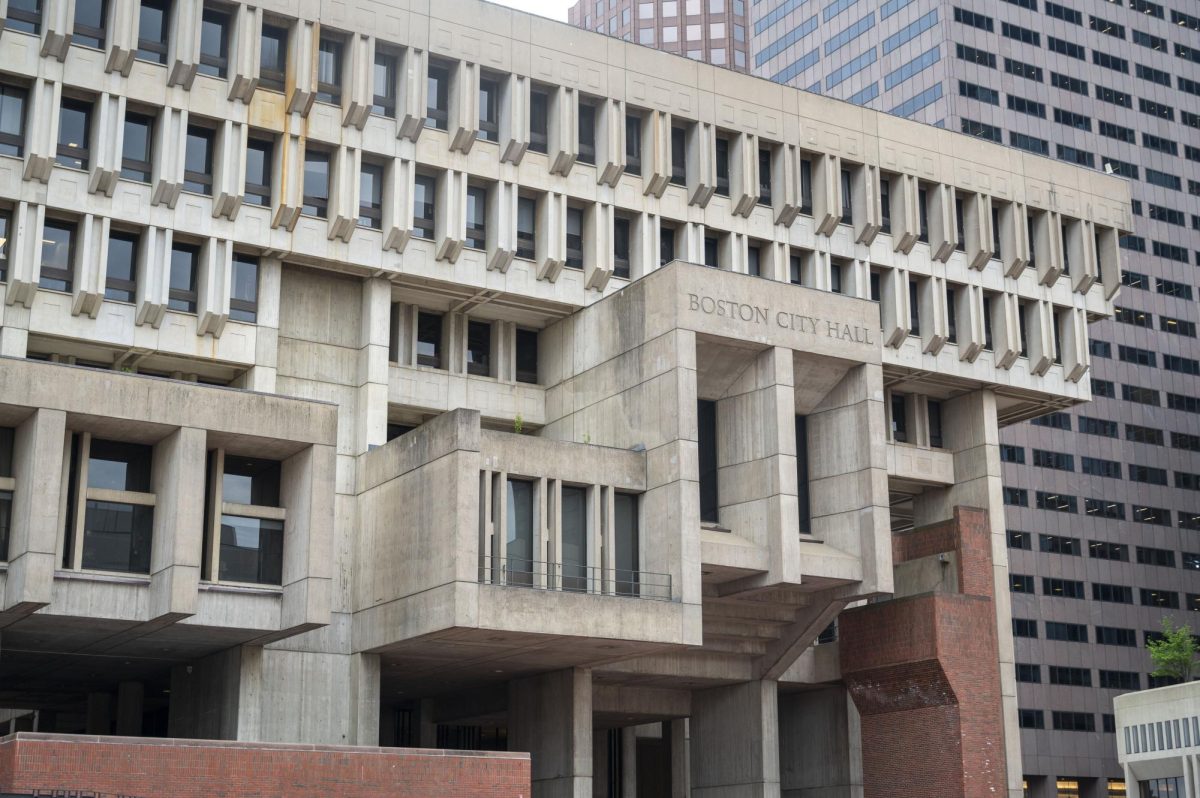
(571, 578)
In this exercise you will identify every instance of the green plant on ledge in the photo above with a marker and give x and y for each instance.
(1174, 655)
(518, 424)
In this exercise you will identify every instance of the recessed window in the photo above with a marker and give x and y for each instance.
(185, 262)
(437, 97)
(479, 348)
(712, 252)
(621, 227)
(116, 534)
(316, 183)
(526, 227)
(120, 278)
(12, 118)
(633, 144)
(384, 79)
(764, 176)
(272, 61)
(198, 160)
(370, 196)
(489, 108)
(754, 260)
(678, 155)
(243, 291)
(429, 339)
(722, 145)
(527, 356)
(90, 18)
(330, 52)
(136, 144)
(476, 218)
(587, 131)
(214, 43)
(574, 238)
(423, 206)
(666, 245)
(260, 157)
(539, 108)
(251, 541)
(58, 256)
(5, 237)
(25, 16)
(153, 26)
(74, 133)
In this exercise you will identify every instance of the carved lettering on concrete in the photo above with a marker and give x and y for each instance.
(758, 314)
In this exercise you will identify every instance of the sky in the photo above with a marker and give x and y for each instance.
(555, 9)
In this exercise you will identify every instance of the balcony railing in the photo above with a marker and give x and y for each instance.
(517, 572)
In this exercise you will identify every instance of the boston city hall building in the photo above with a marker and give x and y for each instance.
(422, 394)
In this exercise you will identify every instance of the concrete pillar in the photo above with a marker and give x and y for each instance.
(99, 713)
(550, 716)
(130, 699)
(37, 472)
(677, 737)
(820, 744)
(629, 762)
(1189, 776)
(735, 741)
(178, 523)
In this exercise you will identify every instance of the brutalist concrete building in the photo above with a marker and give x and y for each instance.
(433, 376)
(1103, 504)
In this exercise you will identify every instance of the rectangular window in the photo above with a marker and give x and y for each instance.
(722, 161)
(626, 544)
(1140, 434)
(489, 105)
(12, 117)
(1072, 677)
(1156, 516)
(1108, 28)
(185, 261)
(1055, 502)
(316, 183)
(574, 538)
(260, 154)
(117, 534)
(1104, 550)
(384, 79)
(1023, 70)
(587, 131)
(526, 226)
(621, 247)
(899, 406)
(136, 144)
(1012, 454)
(1025, 106)
(74, 134)
(370, 196)
(1063, 47)
(330, 52)
(678, 155)
(1113, 594)
(272, 58)
(1110, 62)
(1151, 597)
(198, 160)
(1148, 555)
(1029, 673)
(90, 19)
(1016, 497)
(214, 43)
(1024, 627)
(1021, 583)
(479, 348)
(1021, 34)
(438, 96)
(476, 217)
(58, 256)
(977, 92)
(429, 339)
(243, 291)
(1066, 632)
(1062, 588)
(1019, 540)
(914, 307)
(539, 114)
(25, 16)
(633, 144)
(764, 176)
(153, 30)
(1031, 719)
(527, 356)
(1059, 544)
(574, 238)
(1116, 636)
(707, 447)
(423, 206)
(251, 548)
(120, 277)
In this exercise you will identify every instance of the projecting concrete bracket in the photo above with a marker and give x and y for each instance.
(796, 637)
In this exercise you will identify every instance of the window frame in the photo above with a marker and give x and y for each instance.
(242, 308)
(64, 154)
(137, 170)
(330, 91)
(184, 300)
(96, 36)
(64, 275)
(370, 209)
(113, 285)
(154, 50)
(315, 205)
(274, 76)
(14, 141)
(200, 182)
(217, 65)
(260, 192)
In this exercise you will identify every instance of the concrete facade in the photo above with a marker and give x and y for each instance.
(1158, 740)
(488, 460)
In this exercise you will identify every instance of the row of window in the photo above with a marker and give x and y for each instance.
(1098, 467)
(1104, 550)
(1163, 735)
(431, 351)
(1106, 389)
(1058, 502)
(1064, 721)
(1116, 594)
(1079, 677)
(1078, 633)
(1111, 429)
(127, 255)
(1145, 320)
(1162, 286)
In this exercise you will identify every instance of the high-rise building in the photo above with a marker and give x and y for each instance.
(447, 377)
(714, 31)
(1104, 501)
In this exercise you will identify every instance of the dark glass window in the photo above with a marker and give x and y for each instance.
(526, 227)
(329, 69)
(722, 150)
(885, 202)
(574, 538)
(706, 412)
(1031, 719)
(951, 320)
(527, 356)
(316, 183)
(25, 15)
(251, 550)
(74, 133)
(198, 160)
(621, 247)
(117, 535)
(678, 155)
(214, 43)
(12, 115)
(711, 252)
(666, 245)
(250, 480)
(764, 176)
(626, 543)
(121, 275)
(184, 263)
(539, 115)
(923, 208)
(243, 293)
(804, 507)
(153, 21)
(914, 307)
(272, 60)
(935, 423)
(754, 261)
(476, 217)
(438, 96)
(587, 132)
(574, 238)
(260, 162)
(90, 22)
(479, 348)
(899, 418)
(847, 197)
(370, 196)
(429, 339)
(5, 235)
(1019, 540)
(423, 206)
(58, 256)
(489, 105)
(519, 533)
(136, 144)
(633, 144)
(384, 79)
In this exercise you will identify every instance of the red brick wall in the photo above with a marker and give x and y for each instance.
(923, 671)
(152, 768)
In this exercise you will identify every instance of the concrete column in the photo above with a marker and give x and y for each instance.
(735, 741)
(178, 483)
(677, 738)
(550, 716)
(99, 713)
(1189, 776)
(629, 762)
(130, 699)
(820, 744)
(1131, 785)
